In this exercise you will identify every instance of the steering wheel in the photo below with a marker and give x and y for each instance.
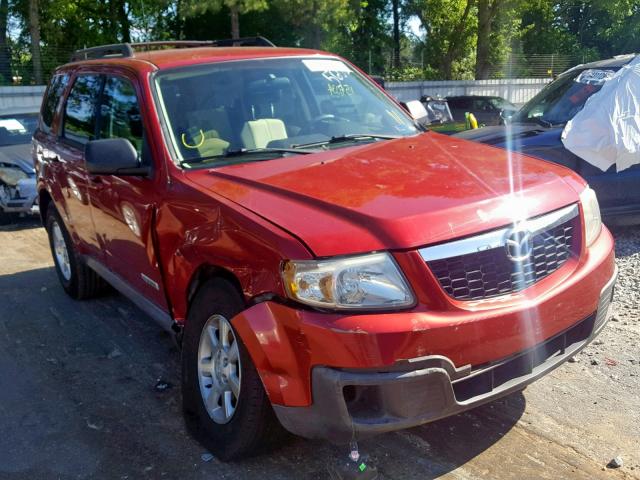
(325, 120)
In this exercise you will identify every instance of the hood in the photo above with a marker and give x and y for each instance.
(394, 194)
(528, 139)
(18, 155)
(520, 133)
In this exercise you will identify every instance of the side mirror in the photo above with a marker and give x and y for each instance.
(416, 109)
(113, 156)
(507, 114)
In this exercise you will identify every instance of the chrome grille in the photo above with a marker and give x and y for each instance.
(480, 267)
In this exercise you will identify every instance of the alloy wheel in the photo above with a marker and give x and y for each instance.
(219, 369)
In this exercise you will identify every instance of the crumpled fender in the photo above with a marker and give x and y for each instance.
(279, 351)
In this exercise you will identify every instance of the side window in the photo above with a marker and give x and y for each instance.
(80, 111)
(120, 112)
(461, 103)
(481, 105)
(50, 103)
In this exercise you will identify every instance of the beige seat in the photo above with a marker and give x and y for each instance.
(213, 147)
(258, 133)
(211, 131)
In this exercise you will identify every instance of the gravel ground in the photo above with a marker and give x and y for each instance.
(77, 397)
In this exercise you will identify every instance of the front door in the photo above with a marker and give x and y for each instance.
(124, 206)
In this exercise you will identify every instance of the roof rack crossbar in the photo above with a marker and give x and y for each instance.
(128, 49)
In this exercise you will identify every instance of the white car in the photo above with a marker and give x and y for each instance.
(17, 175)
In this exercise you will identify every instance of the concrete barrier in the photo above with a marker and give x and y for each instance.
(516, 90)
(21, 97)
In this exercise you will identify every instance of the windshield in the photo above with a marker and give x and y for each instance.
(272, 107)
(559, 101)
(17, 129)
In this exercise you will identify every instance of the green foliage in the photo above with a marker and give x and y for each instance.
(405, 74)
(459, 39)
(449, 30)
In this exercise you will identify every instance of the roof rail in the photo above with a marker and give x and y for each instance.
(103, 51)
(128, 49)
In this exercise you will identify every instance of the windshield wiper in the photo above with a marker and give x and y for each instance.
(543, 122)
(346, 138)
(537, 120)
(240, 152)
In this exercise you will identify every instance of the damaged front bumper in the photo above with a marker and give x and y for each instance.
(361, 402)
(21, 198)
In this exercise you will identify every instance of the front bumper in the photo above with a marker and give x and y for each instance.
(371, 401)
(24, 199)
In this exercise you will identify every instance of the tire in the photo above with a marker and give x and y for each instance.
(76, 278)
(252, 426)
(6, 218)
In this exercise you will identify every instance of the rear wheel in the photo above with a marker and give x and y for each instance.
(225, 405)
(76, 278)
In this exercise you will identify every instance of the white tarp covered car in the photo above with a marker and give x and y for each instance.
(606, 131)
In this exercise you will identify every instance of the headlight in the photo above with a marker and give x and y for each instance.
(361, 282)
(591, 209)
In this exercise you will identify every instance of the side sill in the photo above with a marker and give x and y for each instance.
(156, 313)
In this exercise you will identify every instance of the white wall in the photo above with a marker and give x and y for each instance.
(516, 90)
(21, 97)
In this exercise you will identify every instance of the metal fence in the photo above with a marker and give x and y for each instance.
(21, 97)
(516, 90)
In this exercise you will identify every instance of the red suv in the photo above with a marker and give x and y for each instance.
(325, 264)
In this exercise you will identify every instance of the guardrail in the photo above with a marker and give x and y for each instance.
(516, 90)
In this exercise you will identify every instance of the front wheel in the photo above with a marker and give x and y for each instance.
(225, 405)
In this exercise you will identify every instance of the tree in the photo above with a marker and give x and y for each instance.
(499, 25)
(450, 27)
(315, 20)
(34, 32)
(235, 7)
(487, 11)
(5, 54)
(395, 8)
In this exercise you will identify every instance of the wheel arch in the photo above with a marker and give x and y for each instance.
(206, 272)
(44, 201)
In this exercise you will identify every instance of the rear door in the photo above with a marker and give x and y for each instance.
(46, 136)
(459, 106)
(124, 206)
(78, 127)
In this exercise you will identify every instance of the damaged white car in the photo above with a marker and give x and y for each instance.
(17, 175)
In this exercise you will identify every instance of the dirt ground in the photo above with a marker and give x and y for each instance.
(78, 398)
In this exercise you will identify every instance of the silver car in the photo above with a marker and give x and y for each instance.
(17, 176)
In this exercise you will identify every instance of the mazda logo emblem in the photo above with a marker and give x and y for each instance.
(519, 244)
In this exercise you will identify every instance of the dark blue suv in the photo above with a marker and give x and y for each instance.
(536, 129)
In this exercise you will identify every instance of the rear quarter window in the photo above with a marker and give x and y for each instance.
(80, 110)
(52, 100)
